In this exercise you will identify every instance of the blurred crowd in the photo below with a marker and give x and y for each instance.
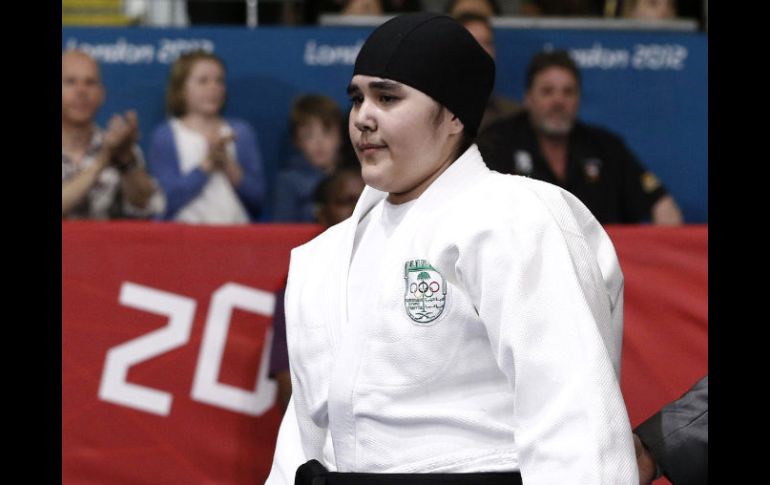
(203, 167)
(180, 13)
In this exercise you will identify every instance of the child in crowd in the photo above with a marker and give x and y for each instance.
(209, 166)
(316, 132)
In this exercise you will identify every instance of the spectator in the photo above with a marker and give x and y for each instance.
(547, 142)
(649, 9)
(103, 175)
(337, 194)
(313, 9)
(498, 106)
(316, 131)
(674, 441)
(335, 198)
(483, 8)
(363, 7)
(563, 8)
(209, 166)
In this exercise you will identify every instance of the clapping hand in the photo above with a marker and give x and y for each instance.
(217, 155)
(121, 134)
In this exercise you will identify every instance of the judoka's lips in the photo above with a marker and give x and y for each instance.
(369, 149)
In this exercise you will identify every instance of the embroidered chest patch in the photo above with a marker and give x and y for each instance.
(425, 292)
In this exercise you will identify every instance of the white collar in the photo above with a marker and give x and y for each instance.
(460, 173)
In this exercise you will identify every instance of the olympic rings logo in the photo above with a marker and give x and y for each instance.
(424, 289)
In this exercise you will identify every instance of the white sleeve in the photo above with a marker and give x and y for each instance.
(300, 437)
(288, 450)
(600, 245)
(539, 290)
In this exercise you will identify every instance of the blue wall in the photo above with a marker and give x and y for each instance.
(651, 88)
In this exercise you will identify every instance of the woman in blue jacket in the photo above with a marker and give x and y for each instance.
(209, 166)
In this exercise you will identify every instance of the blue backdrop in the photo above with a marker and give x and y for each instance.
(649, 87)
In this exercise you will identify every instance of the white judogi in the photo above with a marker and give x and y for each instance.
(513, 363)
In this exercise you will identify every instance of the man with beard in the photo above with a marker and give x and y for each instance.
(547, 142)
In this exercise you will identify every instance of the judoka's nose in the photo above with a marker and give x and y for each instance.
(363, 116)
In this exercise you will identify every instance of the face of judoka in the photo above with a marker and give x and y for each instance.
(403, 138)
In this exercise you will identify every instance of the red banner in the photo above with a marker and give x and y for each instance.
(665, 340)
(165, 329)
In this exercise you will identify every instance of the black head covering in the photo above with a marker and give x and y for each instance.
(435, 54)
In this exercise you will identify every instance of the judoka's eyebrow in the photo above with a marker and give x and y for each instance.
(379, 85)
(385, 85)
(353, 89)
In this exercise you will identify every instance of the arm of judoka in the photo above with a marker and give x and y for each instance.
(570, 420)
(288, 450)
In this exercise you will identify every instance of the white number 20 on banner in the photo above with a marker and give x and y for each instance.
(180, 311)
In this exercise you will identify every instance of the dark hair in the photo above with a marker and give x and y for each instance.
(176, 104)
(311, 106)
(322, 192)
(492, 4)
(547, 59)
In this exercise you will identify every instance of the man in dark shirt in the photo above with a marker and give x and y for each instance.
(547, 142)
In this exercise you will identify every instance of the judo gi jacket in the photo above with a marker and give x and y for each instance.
(494, 344)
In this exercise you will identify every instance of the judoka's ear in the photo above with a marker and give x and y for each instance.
(455, 125)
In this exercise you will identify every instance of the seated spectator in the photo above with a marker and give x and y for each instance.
(483, 8)
(312, 10)
(497, 106)
(649, 9)
(563, 8)
(335, 198)
(316, 132)
(547, 142)
(209, 166)
(336, 195)
(363, 7)
(102, 171)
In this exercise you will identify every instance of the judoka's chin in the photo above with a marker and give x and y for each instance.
(375, 179)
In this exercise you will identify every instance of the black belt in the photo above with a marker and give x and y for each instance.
(313, 473)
